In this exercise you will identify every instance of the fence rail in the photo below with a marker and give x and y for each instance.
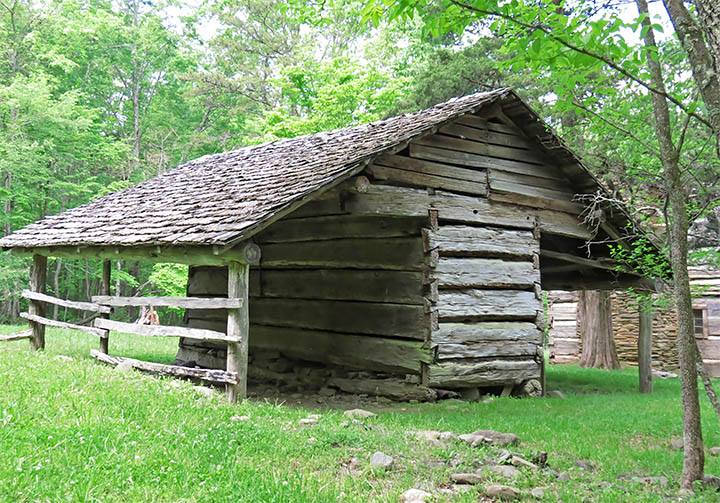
(72, 304)
(162, 331)
(62, 324)
(182, 302)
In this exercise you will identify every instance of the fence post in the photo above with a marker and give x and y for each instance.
(38, 277)
(645, 346)
(105, 290)
(238, 325)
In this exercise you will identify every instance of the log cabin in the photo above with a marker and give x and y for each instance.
(403, 258)
(565, 339)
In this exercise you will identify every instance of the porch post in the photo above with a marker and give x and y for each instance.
(38, 276)
(645, 346)
(238, 326)
(105, 290)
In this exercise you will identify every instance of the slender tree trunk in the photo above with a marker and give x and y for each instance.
(598, 345)
(694, 457)
(700, 56)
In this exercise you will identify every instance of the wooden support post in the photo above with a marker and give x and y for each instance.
(645, 346)
(105, 290)
(38, 277)
(238, 325)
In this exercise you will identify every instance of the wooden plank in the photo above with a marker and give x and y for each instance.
(562, 186)
(458, 305)
(463, 209)
(339, 227)
(484, 124)
(432, 168)
(606, 264)
(464, 374)
(238, 324)
(160, 331)
(36, 309)
(409, 177)
(394, 254)
(179, 302)
(484, 135)
(537, 197)
(83, 306)
(482, 161)
(210, 375)
(105, 290)
(480, 148)
(467, 241)
(17, 336)
(39, 320)
(489, 331)
(389, 320)
(452, 272)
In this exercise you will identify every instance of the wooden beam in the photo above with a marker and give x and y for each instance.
(72, 304)
(191, 255)
(238, 324)
(105, 290)
(39, 320)
(574, 259)
(211, 375)
(161, 331)
(645, 347)
(180, 302)
(17, 336)
(36, 309)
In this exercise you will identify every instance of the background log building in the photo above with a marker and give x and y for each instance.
(566, 339)
(397, 258)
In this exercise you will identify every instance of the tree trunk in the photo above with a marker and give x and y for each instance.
(709, 12)
(694, 457)
(700, 55)
(598, 345)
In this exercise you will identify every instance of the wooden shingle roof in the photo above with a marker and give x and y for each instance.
(218, 198)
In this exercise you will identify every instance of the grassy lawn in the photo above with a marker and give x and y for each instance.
(78, 430)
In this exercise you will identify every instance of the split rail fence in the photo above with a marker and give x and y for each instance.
(102, 306)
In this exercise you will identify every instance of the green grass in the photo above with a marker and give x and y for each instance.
(78, 430)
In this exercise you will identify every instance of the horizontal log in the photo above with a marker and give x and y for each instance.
(390, 320)
(481, 148)
(452, 272)
(61, 324)
(210, 375)
(462, 131)
(433, 168)
(479, 333)
(191, 255)
(409, 177)
(354, 351)
(397, 287)
(471, 160)
(17, 336)
(394, 389)
(393, 253)
(72, 304)
(487, 349)
(345, 350)
(463, 240)
(338, 227)
(179, 302)
(562, 186)
(162, 331)
(461, 374)
(458, 305)
(534, 197)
